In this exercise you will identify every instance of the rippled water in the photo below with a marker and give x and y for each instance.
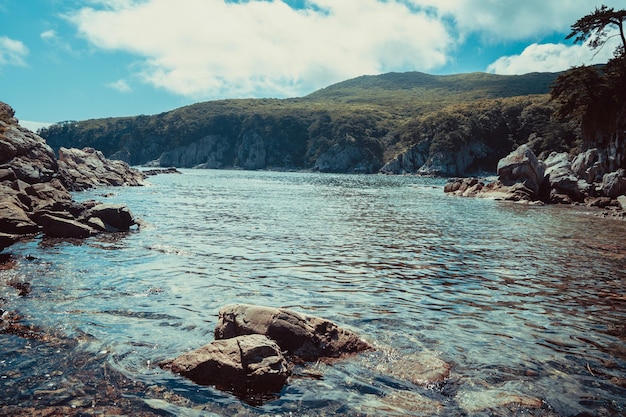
(518, 300)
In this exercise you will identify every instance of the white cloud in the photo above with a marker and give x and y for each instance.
(501, 20)
(121, 86)
(552, 58)
(209, 48)
(12, 52)
(48, 35)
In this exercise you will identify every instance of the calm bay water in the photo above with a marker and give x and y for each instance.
(518, 300)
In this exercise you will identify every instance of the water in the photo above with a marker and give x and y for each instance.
(519, 300)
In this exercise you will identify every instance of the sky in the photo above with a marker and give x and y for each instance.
(81, 59)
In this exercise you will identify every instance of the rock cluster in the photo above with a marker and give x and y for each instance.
(254, 346)
(34, 187)
(558, 180)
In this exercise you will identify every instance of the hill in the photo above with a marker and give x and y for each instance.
(359, 125)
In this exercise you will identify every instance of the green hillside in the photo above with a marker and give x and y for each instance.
(372, 116)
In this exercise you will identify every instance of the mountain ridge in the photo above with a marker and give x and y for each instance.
(357, 125)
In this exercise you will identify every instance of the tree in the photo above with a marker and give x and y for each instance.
(595, 26)
(595, 97)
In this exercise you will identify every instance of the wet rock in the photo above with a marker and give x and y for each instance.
(464, 187)
(249, 363)
(114, 217)
(59, 226)
(492, 399)
(522, 166)
(424, 369)
(408, 402)
(303, 336)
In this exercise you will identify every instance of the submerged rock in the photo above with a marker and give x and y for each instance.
(244, 364)
(302, 336)
(424, 369)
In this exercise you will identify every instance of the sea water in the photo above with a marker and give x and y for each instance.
(519, 300)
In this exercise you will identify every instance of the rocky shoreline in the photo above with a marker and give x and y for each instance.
(35, 187)
(522, 177)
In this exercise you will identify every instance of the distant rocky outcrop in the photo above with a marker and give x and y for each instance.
(81, 169)
(34, 187)
(557, 180)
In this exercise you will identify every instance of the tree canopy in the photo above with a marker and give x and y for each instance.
(594, 97)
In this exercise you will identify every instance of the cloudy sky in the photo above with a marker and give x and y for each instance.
(80, 59)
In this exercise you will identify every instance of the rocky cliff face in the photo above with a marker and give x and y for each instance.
(34, 196)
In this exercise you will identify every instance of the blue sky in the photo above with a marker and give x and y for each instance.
(81, 59)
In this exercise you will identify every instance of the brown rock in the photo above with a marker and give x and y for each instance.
(490, 399)
(14, 219)
(243, 364)
(59, 226)
(303, 336)
(115, 217)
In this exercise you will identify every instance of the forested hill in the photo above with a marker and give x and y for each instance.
(359, 125)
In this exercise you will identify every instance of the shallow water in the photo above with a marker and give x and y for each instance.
(518, 300)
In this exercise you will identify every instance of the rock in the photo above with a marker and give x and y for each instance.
(464, 187)
(115, 217)
(303, 336)
(492, 399)
(456, 162)
(243, 364)
(408, 162)
(560, 178)
(81, 169)
(347, 157)
(7, 240)
(34, 199)
(622, 201)
(424, 369)
(14, 220)
(614, 183)
(590, 165)
(522, 166)
(59, 226)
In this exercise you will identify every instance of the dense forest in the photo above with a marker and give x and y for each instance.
(359, 125)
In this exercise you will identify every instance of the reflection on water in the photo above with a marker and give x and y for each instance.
(525, 301)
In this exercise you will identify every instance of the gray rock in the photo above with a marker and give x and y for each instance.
(614, 183)
(590, 165)
(302, 336)
(81, 169)
(622, 201)
(243, 364)
(560, 177)
(522, 166)
(347, 157)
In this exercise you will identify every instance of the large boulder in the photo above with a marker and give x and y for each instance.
(561, 183)
(522, 166)
(302, 336)
(114, 217)
(590, 165)
(614, 183)
(243, 364)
